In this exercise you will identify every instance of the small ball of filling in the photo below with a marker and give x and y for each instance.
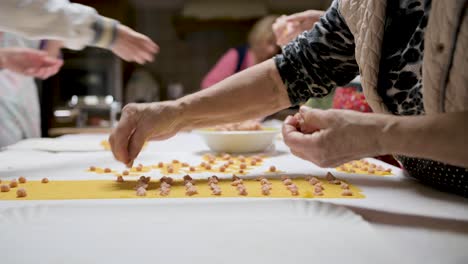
(107, 170)
(120, 179)
(272, 168)
(13, 184)
(4, 188)
(92, 168)
(21, 192)
(125, 172)
(22, 179)
(45, 180)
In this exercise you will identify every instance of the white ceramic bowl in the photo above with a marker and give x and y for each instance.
(239, 141)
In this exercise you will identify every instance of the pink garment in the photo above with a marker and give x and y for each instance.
(226, 66)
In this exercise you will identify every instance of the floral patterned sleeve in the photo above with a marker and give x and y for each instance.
(318, 59)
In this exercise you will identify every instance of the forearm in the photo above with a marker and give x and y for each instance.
(255, 92)
(77, 25)
(440, 137)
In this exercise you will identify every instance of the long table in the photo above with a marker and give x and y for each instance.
(422, 225)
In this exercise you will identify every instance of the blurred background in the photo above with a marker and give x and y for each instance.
(92, 86)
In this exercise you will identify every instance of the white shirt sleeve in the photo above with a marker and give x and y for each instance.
(74, 24)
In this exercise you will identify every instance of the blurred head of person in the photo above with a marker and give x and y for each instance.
(262, 40)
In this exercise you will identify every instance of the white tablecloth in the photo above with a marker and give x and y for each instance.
(421, 222)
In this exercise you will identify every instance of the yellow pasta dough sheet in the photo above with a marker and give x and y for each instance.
(364, 167)
(109, 189)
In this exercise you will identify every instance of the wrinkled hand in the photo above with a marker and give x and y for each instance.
(330, 138)
(140, 122)
(29, 62)
(286, 28)
(133, 46)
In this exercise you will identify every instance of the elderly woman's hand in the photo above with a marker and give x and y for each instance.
(330, 138)
(286, 28)
(140, 122)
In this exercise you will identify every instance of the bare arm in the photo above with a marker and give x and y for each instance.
(76, 26)
(254, 92)
(332, 137)
(441, 137)
(250, 94)
(54, 19)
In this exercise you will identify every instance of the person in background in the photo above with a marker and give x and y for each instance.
(72, 25)
(19, 101)
(77, 26)
(261, 46)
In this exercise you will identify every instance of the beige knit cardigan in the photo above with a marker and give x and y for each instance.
(445, 63)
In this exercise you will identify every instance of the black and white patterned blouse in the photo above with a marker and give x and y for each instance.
(323, 58)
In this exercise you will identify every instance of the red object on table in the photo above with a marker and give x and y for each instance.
(350, 98)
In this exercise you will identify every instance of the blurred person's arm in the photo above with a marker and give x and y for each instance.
(286, 28)
(29, 62)
(74, 24)
(224, 68)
